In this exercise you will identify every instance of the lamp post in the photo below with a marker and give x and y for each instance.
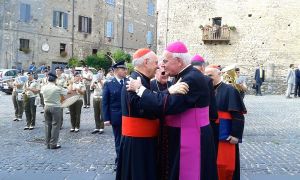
(167, 30)
(156, 28)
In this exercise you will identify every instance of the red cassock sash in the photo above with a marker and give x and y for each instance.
(226, 154)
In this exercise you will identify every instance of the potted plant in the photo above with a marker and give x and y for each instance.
(63, 54)
(25, 50)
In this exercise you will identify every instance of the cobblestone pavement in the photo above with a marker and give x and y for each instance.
(270, 149)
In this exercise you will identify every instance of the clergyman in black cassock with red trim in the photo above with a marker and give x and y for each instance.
(228, 130)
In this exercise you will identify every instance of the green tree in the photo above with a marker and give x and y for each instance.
(120, 55)
(73, 62)
(130, 68)
(105, 62)
(93, 61)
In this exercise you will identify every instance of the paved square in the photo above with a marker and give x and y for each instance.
(270, 149)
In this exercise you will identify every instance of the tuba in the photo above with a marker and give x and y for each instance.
(230, 76)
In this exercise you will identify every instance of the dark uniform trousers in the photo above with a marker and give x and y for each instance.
(75, 112)
(18, 105)
(97, 113)
(42, 100)
(52, 125)
(30, 111)
(87, 95)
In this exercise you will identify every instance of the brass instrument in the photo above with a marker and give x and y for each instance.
(70, 98)
(230, 76)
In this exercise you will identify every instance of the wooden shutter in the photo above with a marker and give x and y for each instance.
(55, 18)
(90, 25)
(80, 24)
(23, 12)
(27, 15)
(65, 25)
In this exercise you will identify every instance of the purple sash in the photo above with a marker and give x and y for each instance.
(190, 122)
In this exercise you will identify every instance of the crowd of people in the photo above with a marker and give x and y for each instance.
(172, 118)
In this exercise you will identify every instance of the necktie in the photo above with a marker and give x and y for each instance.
(121, 82)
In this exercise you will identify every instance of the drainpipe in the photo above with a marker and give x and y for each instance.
(123, 24)
(73, 10)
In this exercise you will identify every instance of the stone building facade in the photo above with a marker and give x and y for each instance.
(41, 31)
(261, 32)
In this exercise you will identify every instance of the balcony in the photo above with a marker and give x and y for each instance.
(215, 34)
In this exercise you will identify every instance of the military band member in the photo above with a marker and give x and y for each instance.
(52, 94)
(87, 77)
(97, 85)
(31, 91)
(76, 87)
(60, 82)
(17, 98)
(61, 79)
(44, 81)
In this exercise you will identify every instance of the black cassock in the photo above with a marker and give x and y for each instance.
(231, 122)
(182, 106)
(138, 155)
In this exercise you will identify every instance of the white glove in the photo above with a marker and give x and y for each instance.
(179, 88)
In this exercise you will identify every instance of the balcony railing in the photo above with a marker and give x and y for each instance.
(215, 34)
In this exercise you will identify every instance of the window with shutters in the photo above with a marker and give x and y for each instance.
(85, 24)
(24, 44)
(151, 8)
(25, 12)
(149, 38)
(130, 28)
(60, 19)
(109, 29)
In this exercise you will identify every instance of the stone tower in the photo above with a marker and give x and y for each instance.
(261, 32)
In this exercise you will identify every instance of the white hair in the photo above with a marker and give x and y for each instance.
(186, 57)
(139, 61)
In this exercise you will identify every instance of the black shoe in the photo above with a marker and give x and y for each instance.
(84, 106)
(42, 112)
(72, 130)
(55, 147)
(15, 119)
(95, 131)
(101, 131)
(26, 128)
